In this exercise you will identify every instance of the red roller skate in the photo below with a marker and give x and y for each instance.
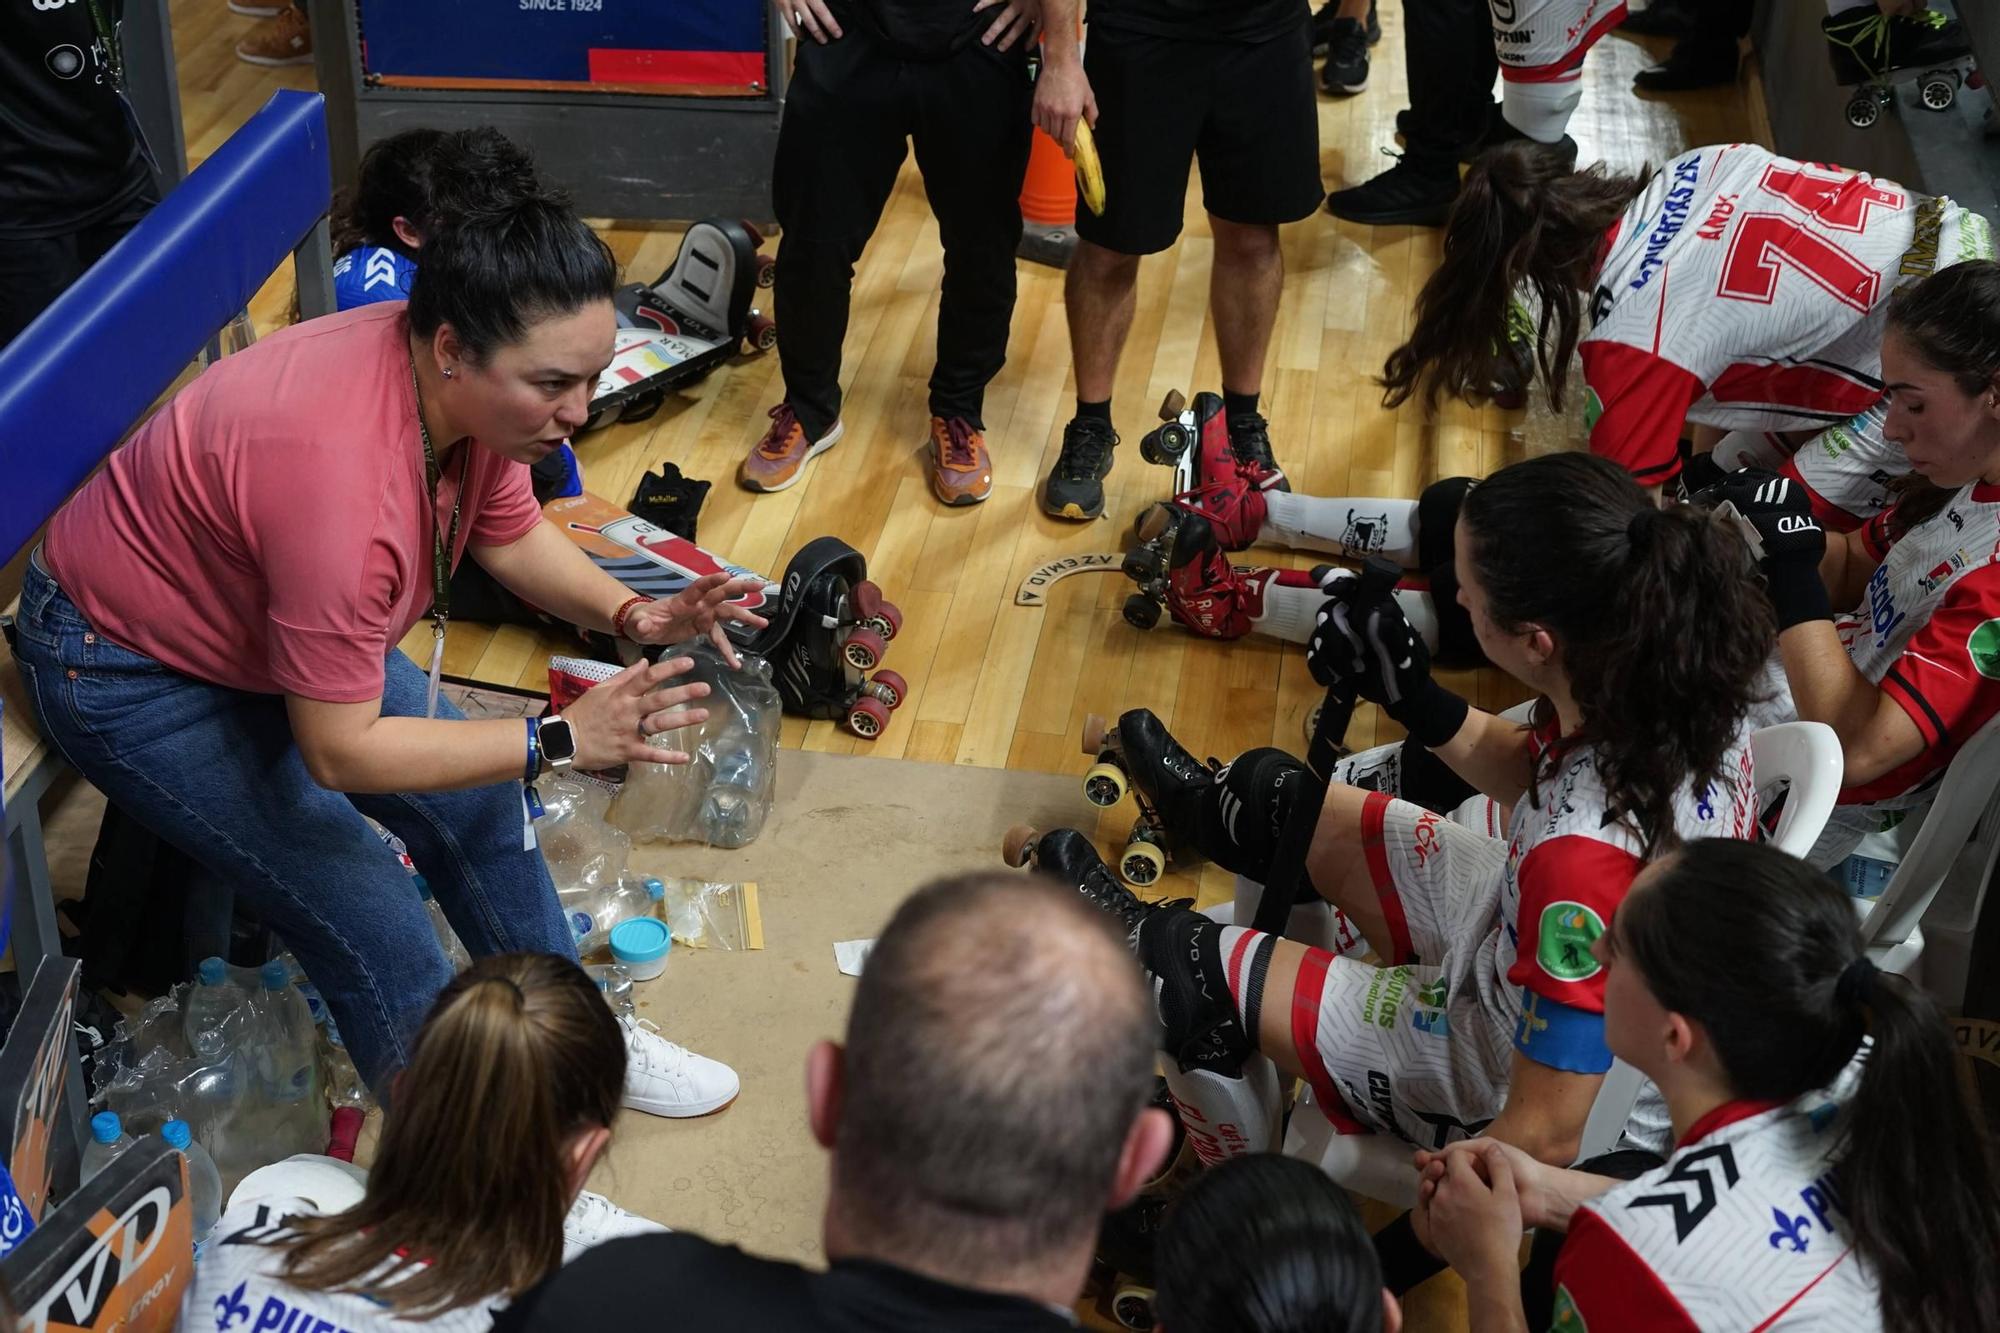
(1211, 596)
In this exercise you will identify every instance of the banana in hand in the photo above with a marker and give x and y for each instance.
(1089, 171)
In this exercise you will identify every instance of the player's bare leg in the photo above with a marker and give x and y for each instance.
(1245, 282)
(1100, 292)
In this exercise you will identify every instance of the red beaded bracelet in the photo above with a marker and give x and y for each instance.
(624, 610)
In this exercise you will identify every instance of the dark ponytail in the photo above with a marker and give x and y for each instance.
(1663, 628)
(1762, 951)
(1267, 1244)
(430, 177)
(1521, 219)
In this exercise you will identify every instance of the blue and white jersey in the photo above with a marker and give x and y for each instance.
(371, 273)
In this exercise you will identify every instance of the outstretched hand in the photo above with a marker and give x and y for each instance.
(612, 720)
(706, 607)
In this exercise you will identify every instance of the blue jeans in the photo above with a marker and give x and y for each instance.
(215, 772)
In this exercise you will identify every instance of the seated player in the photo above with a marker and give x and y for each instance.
(409, 183)
(1269, 1244)
(477, 1191)
(1733, 290)
(1911, 670)
(1803, 1193)
(1647, 639)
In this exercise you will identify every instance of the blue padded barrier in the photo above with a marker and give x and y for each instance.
(90, 365)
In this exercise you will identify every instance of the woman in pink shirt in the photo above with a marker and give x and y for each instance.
(209, 630)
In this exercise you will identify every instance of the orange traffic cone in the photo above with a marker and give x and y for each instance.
(1048, 192)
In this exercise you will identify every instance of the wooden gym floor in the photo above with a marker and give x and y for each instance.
(996, 684)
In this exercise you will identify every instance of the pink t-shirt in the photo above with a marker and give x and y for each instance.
(266, 529)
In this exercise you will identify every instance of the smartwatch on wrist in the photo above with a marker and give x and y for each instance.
(558, 743)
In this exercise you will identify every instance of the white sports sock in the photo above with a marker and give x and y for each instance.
(1228, 1117)
(1541, 110)
(1290, 607)
(1750, 448)
(1350, 527)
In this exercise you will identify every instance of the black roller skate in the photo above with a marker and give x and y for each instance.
(1868, 47)
(830, 628)
(1177, 947)
(1189, 810)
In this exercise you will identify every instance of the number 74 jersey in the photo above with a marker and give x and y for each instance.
(1747, 291)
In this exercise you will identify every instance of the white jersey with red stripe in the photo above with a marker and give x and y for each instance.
(1540, 41)
(1747, 291)
(1742, 1231)
(1569, 863)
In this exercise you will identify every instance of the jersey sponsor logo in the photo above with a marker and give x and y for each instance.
(1513, 36)
(1983, 647)
(1385, 992)
(46, 5)
(1673, 216)
(1576, 29)
(1920, 260)
(1427, 1012)
(1719, 214)
(1379, 1097)
(381, 270)
(1956, 519)
(1564, 1317)
(1567, 931)
(1695, 1190)
(1821, 1200)
(1424, 836)
(232, 1310)
(1593, 408)
(1882, 612)
(1505, 11)
(1942, 571)
(65, 61)
(1444, 1126)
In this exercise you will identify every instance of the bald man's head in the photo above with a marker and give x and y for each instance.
(999, 1049)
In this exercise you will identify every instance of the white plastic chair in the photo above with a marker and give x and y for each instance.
(1804, 757)
(1960, 835)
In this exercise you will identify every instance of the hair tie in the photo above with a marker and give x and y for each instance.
(1856, 984)
(1639, 532)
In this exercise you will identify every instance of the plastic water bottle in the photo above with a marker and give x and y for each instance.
(204, 1181)
(627, 899)
(346, 1094)
(454, 950)
(731, 813)
(287, 1060)
(210, 1001)
(656, 897)
(108, 1140)
(583, 908)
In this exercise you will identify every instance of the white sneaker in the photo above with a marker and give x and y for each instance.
(662, 1078)
(594, 1219)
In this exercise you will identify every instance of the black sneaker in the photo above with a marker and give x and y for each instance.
(1328, 14)
(1346, 69)
(1695, 62)
(1662, 18)
(1411, 193)
(1075, 488)
(1250, 441)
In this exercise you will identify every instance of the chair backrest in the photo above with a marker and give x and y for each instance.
(1805, 757)
(1969, 790)
(91, 364)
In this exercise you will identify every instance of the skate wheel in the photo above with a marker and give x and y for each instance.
(1172, 405)
(767, 271)
(1143, 564)
(1163, 446)
(1104, 785)
(1095, 731)
(875, 611)
(1142, 865)
(763, 332)
(1863, 110)
(756, 232)
(1132, 1307)
(887, 622)
(863, 648)
(890, 688)
(1018, 847)
(1141, 611)
(1938, 93)
(1155, 521)
(867, 717)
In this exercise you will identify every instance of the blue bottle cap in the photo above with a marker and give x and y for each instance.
(655, 889)
(104, 1127)
(212, 972)
(177, 1134)
(640, 940)
(276, 975)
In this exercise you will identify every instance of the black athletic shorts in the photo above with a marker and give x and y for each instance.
(1246, 111)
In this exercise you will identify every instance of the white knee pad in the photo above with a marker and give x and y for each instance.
(1228, 1117)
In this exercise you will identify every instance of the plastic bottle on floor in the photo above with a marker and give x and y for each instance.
(732, 811)
(454, 949)
(209, 1002)
(287, 1059)
(346, 1094)
(108, 1140)
(204, 1181)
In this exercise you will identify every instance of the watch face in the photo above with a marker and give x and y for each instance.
(558, 745)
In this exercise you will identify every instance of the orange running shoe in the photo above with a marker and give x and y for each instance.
(961, 471)
(782, 454)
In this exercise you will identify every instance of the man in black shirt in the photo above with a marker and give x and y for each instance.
(989, 1107)
(74, 176)
(952, 75)
(1228, 83)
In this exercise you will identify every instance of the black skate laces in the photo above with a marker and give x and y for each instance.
(1086, 444)
(1250, 440)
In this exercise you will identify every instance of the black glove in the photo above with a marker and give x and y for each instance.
(1789, 540)
(1371, 648)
